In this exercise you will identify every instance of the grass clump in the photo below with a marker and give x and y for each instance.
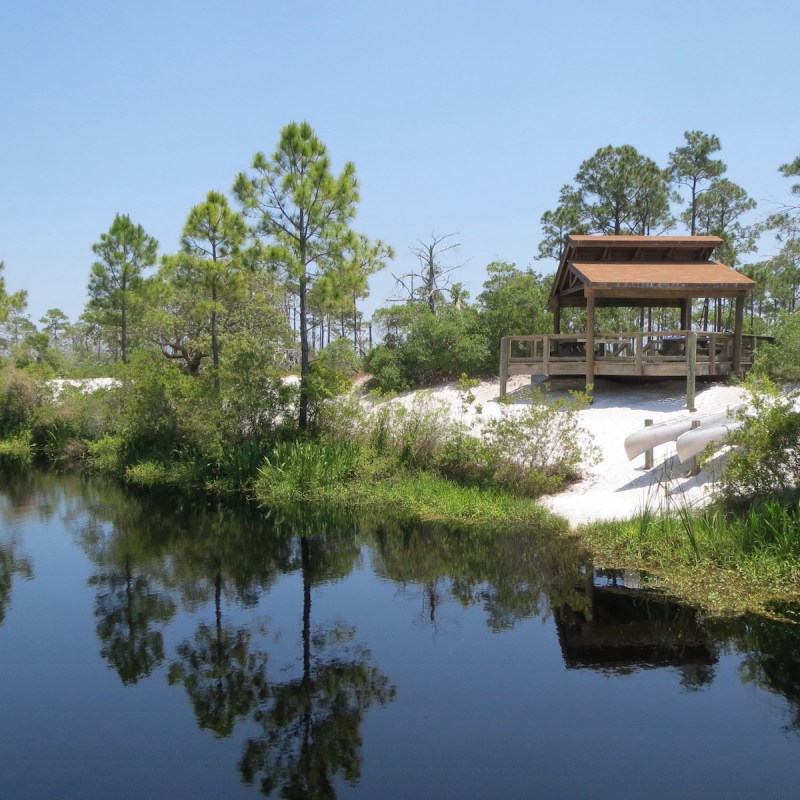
(726, 560)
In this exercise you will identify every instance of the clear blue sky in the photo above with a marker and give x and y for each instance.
(460, 117)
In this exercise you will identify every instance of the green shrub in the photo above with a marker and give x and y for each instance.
(781, 361)
(55, 433)
(16, 449)
(766, 456)
(388, 371)
(339, 356)
(18, 400)
(542, 447)
(107, 454)
(434, 347)
(413, 435)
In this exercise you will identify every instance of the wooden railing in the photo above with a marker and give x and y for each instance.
(636, 354)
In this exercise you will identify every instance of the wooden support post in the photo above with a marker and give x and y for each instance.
(505, 350)
(648, 454)
(686, 314)
(557, 318)
(589, 344)
(737, 335)
(691, 369)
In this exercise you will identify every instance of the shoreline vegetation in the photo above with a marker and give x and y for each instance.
(233, 356)
(420, 458)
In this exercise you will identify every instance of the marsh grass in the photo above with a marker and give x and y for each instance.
(431, 497)
(724, 560)
(305, 469)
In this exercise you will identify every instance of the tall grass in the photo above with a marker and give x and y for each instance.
(302, 469)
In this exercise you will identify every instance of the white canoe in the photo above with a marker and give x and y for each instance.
(669, 431)
(692, 442)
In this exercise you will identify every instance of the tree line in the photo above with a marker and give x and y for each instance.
(280, 271)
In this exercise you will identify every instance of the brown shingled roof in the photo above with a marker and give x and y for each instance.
(643, 270)
(711, 275)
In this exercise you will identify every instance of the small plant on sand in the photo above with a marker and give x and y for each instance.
(542, 447)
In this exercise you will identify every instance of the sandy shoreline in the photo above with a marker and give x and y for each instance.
(614, 487)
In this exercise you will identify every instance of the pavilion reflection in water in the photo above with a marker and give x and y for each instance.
(626, 627)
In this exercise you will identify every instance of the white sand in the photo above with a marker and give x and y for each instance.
(615, 488)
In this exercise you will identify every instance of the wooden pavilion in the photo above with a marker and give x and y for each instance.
(639, 272)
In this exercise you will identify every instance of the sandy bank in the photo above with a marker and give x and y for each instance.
(614, 487)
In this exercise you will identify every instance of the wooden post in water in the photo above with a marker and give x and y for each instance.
(691, 369)
(648, 454)
(505, 348)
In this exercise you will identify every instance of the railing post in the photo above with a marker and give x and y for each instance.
(638, 347)
(505, 349)
(546, 355)
(648, 454)
(691, 369)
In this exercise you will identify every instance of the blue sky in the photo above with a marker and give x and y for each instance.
(461, 117)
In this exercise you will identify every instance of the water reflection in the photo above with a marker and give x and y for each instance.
(12, 563)
(624, 628)
(513, 575)
(311, 722)
(185, 594)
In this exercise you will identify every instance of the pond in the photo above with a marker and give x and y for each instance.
(161, 648)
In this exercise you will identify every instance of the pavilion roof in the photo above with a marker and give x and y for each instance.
(643, 270)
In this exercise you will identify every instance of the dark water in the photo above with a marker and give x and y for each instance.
(156, 650)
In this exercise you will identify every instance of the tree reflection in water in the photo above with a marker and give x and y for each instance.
(126, 538)
(11, 564)
(312, 722)
(514, 574)
(237, 557)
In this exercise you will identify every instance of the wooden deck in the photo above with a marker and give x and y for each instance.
(645, 355)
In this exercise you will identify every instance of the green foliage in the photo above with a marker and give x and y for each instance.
(692, 167)
(781, 361)
(55, 435)
(123, 254)
(210, 266)
(616, 191)
(427, 496)
(323, 383)
(527, 453)
(18, 401)
(153, 474)
(434, 347)
(16, 449)
(340, 356)
(388, 369)
(256, 402)
(304, 469)
(304, 212)
(542, 447)
(107, 454)
(513, 303)
(766, 456)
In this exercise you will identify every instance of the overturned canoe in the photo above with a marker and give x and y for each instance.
(669, 431)
(692, 442)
